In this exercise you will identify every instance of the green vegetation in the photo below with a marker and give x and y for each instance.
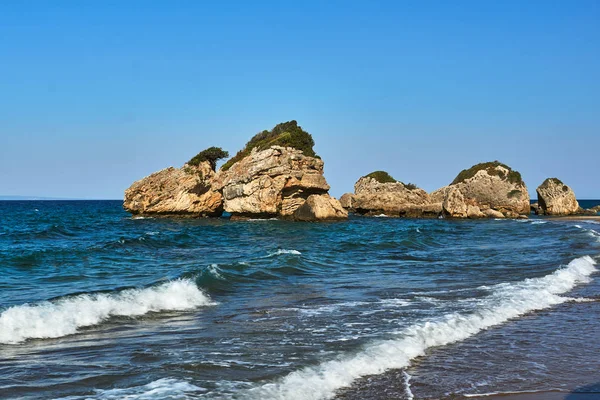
(286, 134)
(490, 167)
(514, 193)
(557, 182)
(381, 177)
(212, 155)
(384, 177)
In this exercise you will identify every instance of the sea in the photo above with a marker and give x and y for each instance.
(97, 304)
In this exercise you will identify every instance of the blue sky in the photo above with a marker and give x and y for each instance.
(95, 95)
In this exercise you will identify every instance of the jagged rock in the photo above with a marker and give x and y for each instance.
(390, 197)
(582, 211)
(347, 201)
(487, 186)
(556, 198)
(272, 176)
(320, 207)
(491, 213)
(534, 208)
(474, 212)
(271, 182)
(454, 204)
(175, 191)
(438, 196)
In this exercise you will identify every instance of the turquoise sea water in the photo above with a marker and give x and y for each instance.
(96, 304)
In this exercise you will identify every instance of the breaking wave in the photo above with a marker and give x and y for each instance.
(52, 319)
(284, 251)
(507, 301)
(165, 388)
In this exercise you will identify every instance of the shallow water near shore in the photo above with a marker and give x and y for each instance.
(95, 304)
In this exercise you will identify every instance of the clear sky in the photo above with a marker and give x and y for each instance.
(95, 95)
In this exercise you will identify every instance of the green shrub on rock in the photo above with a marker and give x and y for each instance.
(212, 155)
(490, 167)
(286, 134)
(384, 177)
(381, 177)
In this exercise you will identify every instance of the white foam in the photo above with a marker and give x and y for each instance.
(505, 302)
(381, 216)
(215, 271)
(65, 316)
(285, 251)
(166, 388)
(409, 394)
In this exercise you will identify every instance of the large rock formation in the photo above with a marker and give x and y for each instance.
(176, 191)
(556, 198)
(275, 182)
(277, 174)
(489, 189)
(379, 193)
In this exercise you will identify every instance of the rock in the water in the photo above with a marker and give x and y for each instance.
(491, 213)
(272, 176)
(347, 201)
(556, 198)
(175, 191)
(534, 208)
(487, 186)
(320, 207)
(474, 212)
(454, 204)
(378, 193)
(271, 182)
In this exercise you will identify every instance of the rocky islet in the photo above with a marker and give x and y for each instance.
(278, 174)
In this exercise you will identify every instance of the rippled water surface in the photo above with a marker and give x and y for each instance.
(95, 304)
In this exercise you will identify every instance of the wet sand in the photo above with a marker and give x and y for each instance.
(540, 396)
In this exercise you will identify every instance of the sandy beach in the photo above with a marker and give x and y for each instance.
(541, 396)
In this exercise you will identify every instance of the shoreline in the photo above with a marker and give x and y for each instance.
(541, 395)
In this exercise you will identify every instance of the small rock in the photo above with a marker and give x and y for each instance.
(320, 207)
(556, 198)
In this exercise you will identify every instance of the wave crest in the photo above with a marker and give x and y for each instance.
(65, 316)
(506, 302)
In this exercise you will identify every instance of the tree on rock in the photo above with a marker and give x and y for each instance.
(212, 155)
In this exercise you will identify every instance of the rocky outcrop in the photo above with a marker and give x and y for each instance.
(374, 195)
(176, 191)
(276, 182)
(535, 208)
(556, 198)
(347, 201)
(320, 207)
(487, 190)
(490, 190)
(277, 174)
